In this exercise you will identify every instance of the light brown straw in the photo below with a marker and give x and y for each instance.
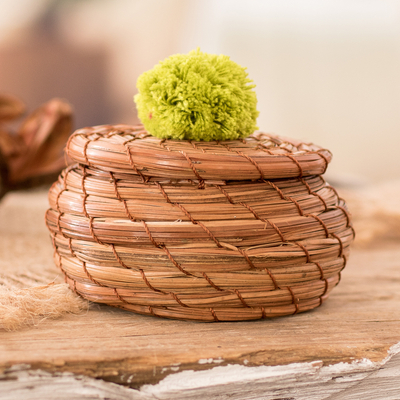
(132, 150)
(222, 231)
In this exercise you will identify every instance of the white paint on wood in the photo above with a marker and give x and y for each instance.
(363, 379)
(361, 319)
(19, 382)
(298, 381)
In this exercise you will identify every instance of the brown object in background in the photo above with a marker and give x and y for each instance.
(10, 107)
(3, 175)
(34, 153)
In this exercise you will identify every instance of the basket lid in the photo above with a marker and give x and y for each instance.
(130, 149)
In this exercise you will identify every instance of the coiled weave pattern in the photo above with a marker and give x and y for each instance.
(208, 231)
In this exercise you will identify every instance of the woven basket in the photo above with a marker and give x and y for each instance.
(208, 231)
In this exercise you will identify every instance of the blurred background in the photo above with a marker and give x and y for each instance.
(327, 71)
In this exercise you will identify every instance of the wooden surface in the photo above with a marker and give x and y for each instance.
(306, 381)
(360, 320)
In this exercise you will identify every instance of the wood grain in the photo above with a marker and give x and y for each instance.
(305, 381)
(360, 320)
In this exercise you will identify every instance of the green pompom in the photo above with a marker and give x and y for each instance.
(197, 96)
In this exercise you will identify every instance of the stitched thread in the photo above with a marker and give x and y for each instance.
(305, 183)
(272, 278)
(295, 300)
(214, 315)
(190, 162)
(321, 222)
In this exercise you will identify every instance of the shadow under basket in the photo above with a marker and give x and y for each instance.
(207, 231)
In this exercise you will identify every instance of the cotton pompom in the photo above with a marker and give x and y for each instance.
(197, 96)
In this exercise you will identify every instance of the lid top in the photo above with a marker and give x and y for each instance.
(133, 150)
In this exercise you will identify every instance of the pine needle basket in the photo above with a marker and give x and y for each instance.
(208, 231)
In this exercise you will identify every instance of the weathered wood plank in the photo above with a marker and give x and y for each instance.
(306, 381)
(382, 384)
(23, 383)
(360, 320)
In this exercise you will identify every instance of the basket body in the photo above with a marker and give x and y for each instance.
(225, 231)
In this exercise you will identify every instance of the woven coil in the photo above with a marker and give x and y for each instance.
(222, 231)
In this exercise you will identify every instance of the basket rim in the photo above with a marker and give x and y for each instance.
(131, 149)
